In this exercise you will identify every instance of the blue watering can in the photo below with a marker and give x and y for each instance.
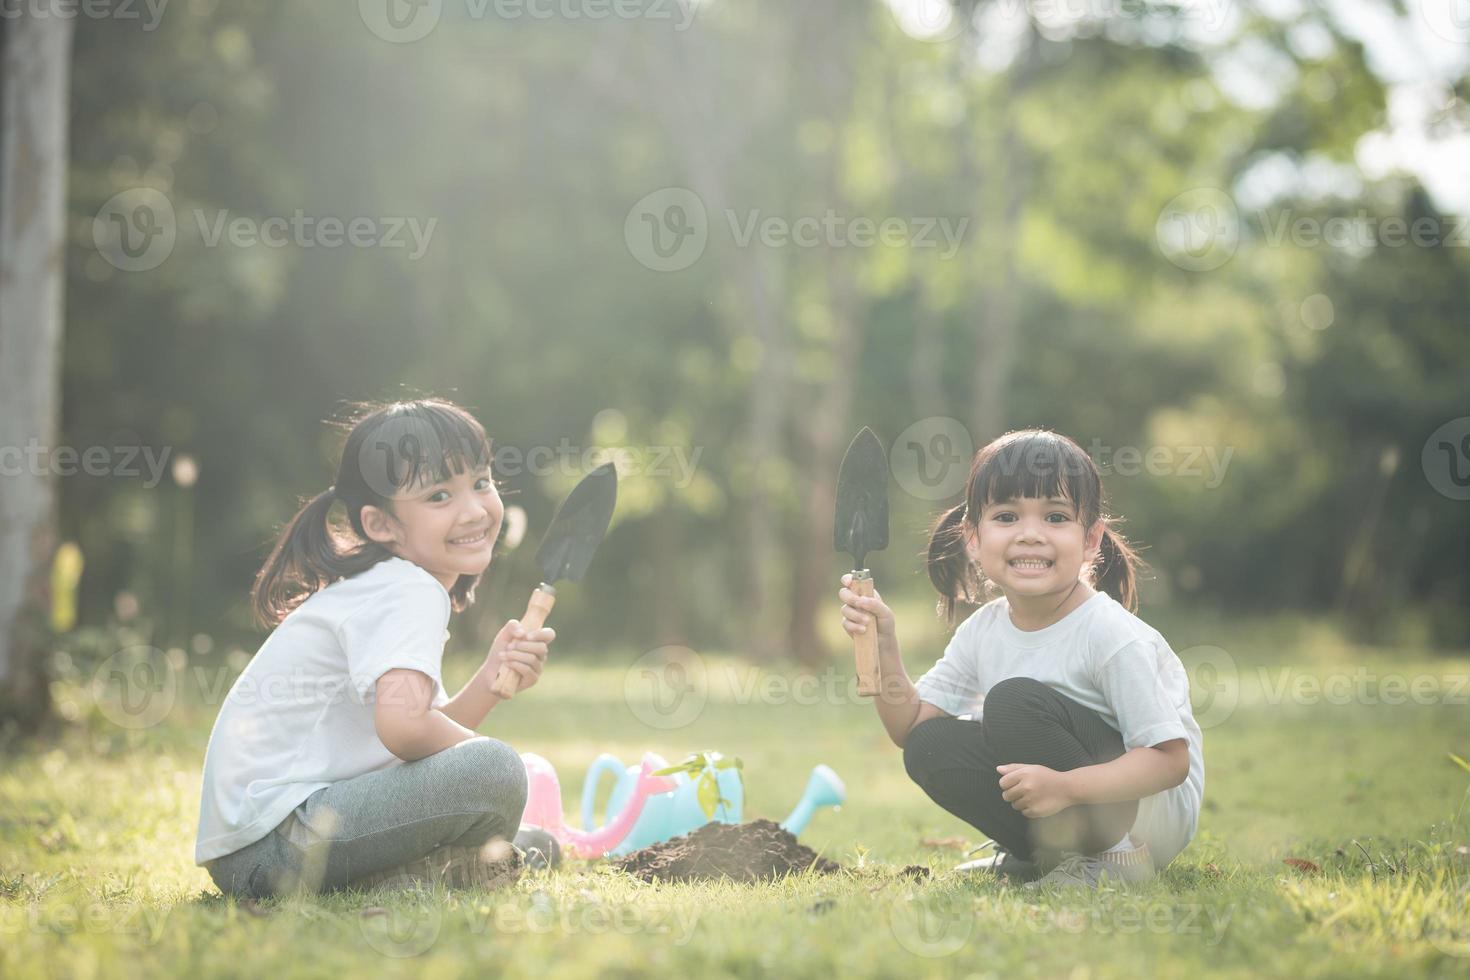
(677, 812)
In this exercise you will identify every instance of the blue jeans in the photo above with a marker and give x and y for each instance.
(464, 795)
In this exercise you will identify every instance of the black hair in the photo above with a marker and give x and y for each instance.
(1028, 463)
(389, 447)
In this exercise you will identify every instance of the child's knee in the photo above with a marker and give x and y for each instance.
(498, 775)
(922, 749)
(1009, 700)
(1013, 690)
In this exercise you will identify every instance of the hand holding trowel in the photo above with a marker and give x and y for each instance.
(566, 551)
(862, 526)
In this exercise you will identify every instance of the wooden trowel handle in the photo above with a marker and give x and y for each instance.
(507, 682)
(865, 645)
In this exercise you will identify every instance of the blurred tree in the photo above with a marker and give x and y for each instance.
(1058, 138)
(35, 52)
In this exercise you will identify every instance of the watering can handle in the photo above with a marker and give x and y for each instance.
(604, 763)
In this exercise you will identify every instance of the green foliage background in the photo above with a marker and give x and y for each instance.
(528, 141)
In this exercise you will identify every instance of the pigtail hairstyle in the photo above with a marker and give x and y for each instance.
(388, 447)
(954, 576)
(1116, 569)
(1028, 463)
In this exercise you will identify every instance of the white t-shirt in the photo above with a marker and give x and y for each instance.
(1105, 658)
(300, 716)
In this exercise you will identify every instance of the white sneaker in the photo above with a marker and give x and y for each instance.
(1091, 870)
(1001, 863)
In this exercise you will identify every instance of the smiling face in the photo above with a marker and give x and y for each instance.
(447, 528)
(1032, 547)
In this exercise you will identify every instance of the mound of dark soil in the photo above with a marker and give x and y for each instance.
(755, 851)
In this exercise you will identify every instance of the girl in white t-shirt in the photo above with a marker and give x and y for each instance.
(338, 758)
(1057, 722)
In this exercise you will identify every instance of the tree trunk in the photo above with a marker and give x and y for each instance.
(35, 54)
(816, 575)
(707, 139)
(999, 317)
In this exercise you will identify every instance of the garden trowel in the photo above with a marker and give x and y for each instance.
(566, 551)
(861, 527)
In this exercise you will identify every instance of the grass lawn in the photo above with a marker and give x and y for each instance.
(1307, 756)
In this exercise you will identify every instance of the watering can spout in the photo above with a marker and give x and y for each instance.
(823, 788)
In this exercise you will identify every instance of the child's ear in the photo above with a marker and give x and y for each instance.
(379, 525)
(972, 544)
(1093, 544)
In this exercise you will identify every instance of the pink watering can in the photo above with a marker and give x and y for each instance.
(543, 806)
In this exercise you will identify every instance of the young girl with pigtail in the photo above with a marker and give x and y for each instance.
(1057, 722)
(337, 758)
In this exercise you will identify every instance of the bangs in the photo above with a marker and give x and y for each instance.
(1035, 464)
(424, 443)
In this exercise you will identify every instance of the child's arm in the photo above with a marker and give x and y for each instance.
(1039, 791)
(897, 702)
(406, 723)
(1137, 773)
(513, 647)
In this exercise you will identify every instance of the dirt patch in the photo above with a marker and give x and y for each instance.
(755, 851)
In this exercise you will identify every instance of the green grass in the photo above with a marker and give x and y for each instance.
(97, 832)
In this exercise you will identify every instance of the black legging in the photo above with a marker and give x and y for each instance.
(1024, 721)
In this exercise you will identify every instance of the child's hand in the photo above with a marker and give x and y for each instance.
(859, 613)
(1034, 790)
(521, 650)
